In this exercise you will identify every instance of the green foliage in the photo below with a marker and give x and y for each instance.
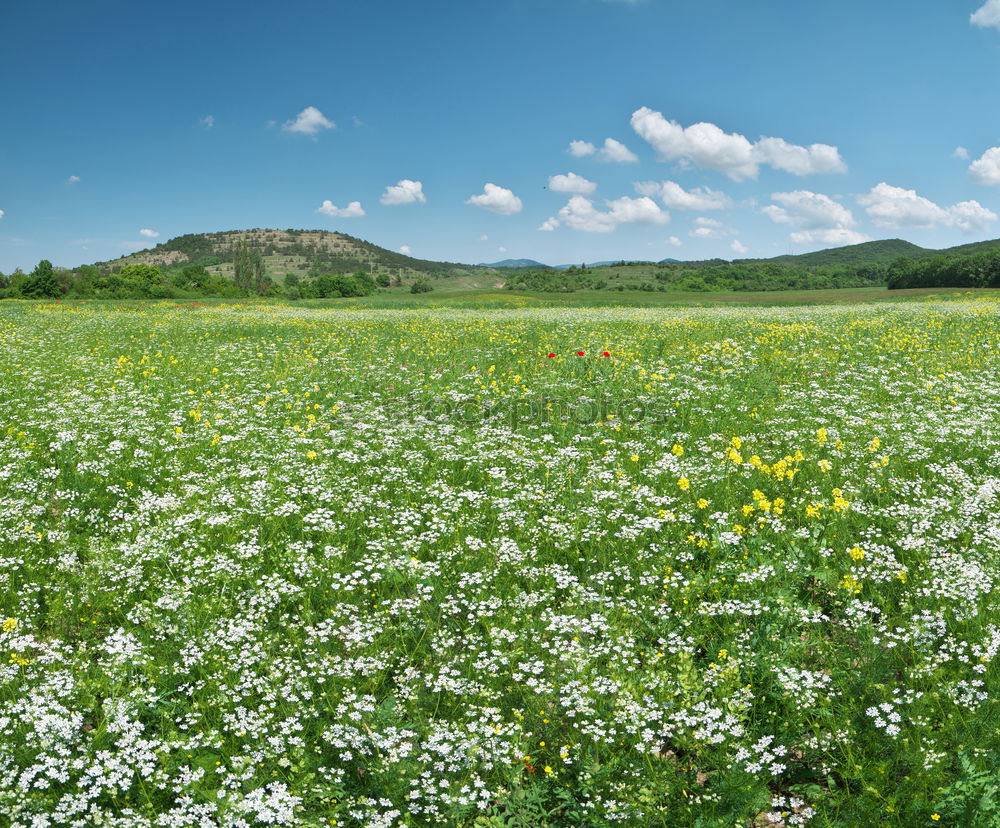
(248, 267)
(196, 246)
(550, 281)
(699, 277)
(977, 270)
(973, 799)
(421, 286)
(332, 285)
(42, 282)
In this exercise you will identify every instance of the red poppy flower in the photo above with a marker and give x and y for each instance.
(551, 355)
(579, 353)
(605, 353)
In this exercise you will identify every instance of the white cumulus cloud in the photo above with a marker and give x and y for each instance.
(674, 195)
(890, 206)
(833, 236)
(811, 160)
(352, 210)
(970, 216)
(580, 214)
(808, 210)
(571, 183)
(579, 149)
(673, 241)
(73, 179)
(611, 152)
(986, 170)
(497, 200)
(738, 247)
(208, 121)
(987, 15)
(403, 192)
(961, 153)
(821, 219)
(707, 228)
(1, 214)
(706, 145)
(549, 225)
(405, 250)
(149, 233)
(616, 152)
(308, 122)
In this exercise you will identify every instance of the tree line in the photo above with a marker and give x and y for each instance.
(145, 281)
(705, 277)
(978, 270)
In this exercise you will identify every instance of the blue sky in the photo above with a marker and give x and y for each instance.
(737, 129)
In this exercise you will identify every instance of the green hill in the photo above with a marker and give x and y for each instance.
(287, 252)
(867, 253)
(875, 253)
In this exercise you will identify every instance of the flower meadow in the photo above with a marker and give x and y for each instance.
(265, 565)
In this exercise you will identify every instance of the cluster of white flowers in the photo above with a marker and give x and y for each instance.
(255, 571)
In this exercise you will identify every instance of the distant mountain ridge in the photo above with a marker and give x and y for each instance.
(513, 264)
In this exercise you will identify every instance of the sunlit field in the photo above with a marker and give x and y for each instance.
(263, 565)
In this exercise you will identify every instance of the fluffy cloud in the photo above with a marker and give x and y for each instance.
(352, 210)
(961, 153)
(616, 152)
(821, 219)
(811, 160)
(580, 214)
(986, 170)
(970, 216)
(571, 183)
(808, 210)
(549, 225)
(403, 192)
(987, 15)
(405, 250)
(707, 228)
(73, 179)
(1, 214)
(673, 241)
(738, 247)
(209, 121)
(308, 122)
(706, 145)
(612, 152)
(149, 233)
(890, 206)
(497, 200)
(833, 236)
(674, 195)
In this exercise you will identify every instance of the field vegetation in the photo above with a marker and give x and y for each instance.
(282, 565)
